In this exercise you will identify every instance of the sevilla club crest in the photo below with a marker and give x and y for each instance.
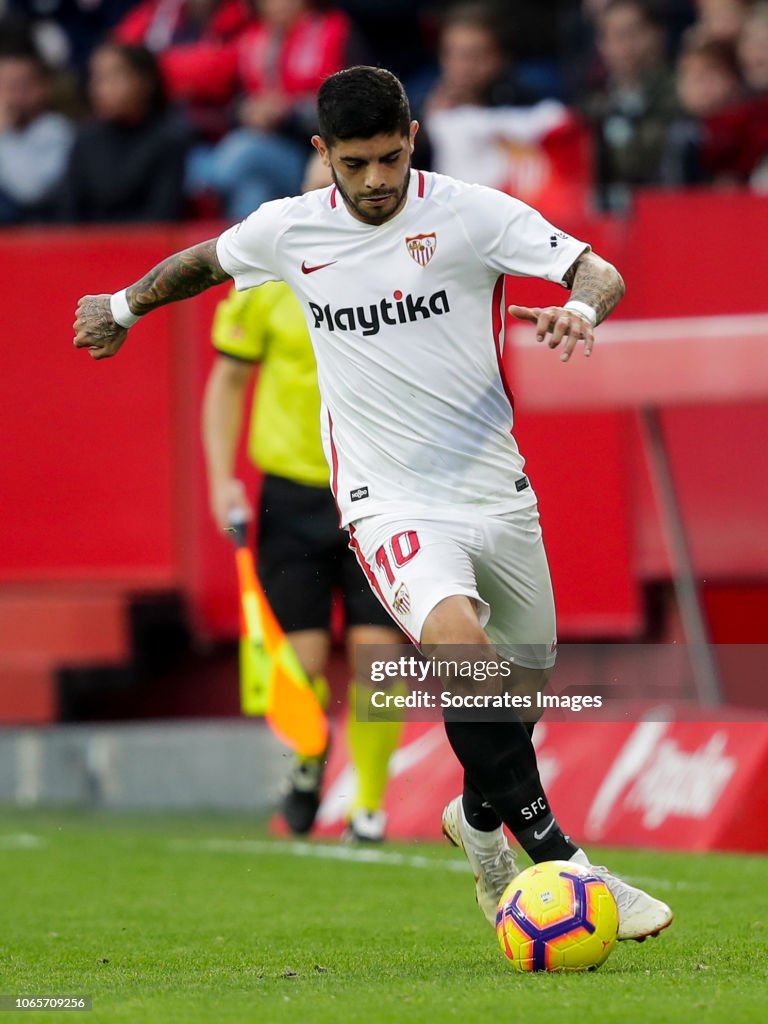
(422, 247)
(402, 601)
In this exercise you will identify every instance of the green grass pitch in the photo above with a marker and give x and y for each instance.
(205, 919)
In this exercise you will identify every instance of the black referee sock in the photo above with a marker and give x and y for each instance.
(499, 759)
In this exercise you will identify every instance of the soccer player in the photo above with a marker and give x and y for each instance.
(303, 555)
(401, 275)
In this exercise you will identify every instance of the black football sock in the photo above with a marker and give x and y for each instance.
(477, 810)
(499, 758)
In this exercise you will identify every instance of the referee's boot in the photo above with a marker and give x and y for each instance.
(301, 795)
(365, 827)
(301, 798)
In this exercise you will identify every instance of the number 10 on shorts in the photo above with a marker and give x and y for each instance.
(399, 549)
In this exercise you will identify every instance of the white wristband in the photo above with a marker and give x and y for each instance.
(121, 311)
(582, 309)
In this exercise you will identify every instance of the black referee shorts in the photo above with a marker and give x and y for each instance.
(303, 557)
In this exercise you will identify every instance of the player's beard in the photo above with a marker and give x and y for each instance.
(368, 214)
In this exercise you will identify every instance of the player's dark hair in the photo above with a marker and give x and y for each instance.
(361, 102)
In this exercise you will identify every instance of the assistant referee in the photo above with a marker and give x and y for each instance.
(303, 557)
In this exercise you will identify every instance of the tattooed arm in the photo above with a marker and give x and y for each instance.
(595, 283)
(180, 276)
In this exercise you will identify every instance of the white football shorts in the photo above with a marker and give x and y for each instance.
(496, 560)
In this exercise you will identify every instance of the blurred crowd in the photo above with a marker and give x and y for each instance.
(158, 110)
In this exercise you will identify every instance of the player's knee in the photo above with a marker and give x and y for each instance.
(527, 683)
(457, 645)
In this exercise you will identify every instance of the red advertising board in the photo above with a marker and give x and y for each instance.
(685, 785)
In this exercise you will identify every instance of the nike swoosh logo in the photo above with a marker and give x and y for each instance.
(540, 835)
(310, 270)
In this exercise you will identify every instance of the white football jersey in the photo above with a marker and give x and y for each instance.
(407, 323)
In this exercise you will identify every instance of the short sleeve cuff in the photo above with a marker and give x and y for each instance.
(570, 252)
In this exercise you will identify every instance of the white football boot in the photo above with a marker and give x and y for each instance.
(640, 915)
(365, 827)
(493, 863)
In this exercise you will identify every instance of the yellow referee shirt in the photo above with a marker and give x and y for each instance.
(266, 325)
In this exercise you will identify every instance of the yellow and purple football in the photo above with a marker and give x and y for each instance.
(557, 916)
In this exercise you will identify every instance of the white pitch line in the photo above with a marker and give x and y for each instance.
(320, 851)
(21, 841)
(669, 329)
(367, 855)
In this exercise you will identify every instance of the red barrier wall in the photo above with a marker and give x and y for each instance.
(87, 485)
(102, 468)
(681, 785)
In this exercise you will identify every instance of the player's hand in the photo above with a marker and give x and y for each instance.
(563, 325)
(95, 328)
(227, 497)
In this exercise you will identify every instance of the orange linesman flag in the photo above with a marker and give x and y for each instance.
(272, 680)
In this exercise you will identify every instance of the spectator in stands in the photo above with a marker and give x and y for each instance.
(576, 31)
(753, 58)
(474, 70)
(127, 163)
(753, 50)
(67, 31)
(722, 136)
(630, 117)
(394, 36)
(720, 20)
(191, 39)
(34, 140)
(485, 127)
(475, 67)
(281, 60)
